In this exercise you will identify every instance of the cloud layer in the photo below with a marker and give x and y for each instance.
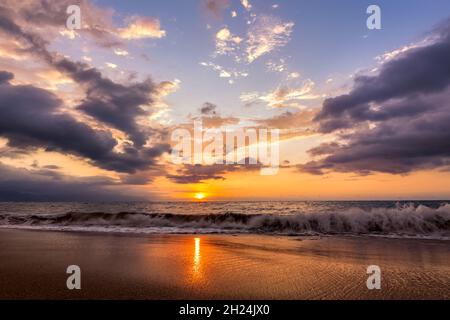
(44, 184)
(395, 121)
(32, 117)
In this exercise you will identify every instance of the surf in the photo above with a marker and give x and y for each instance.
(403, 220)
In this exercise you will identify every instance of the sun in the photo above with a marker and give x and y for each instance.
(200, 196)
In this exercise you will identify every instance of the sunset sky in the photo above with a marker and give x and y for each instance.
(88, 114)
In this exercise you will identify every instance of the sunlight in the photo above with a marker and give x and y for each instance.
(200, 196)
(197, 256)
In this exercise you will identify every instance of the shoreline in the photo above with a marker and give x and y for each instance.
(175, 266)
(142, 233)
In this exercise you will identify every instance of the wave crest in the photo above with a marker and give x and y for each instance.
(406, 220)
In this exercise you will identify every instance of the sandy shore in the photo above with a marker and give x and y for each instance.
(33, 265)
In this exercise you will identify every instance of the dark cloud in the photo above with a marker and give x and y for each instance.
(395, 146)
(36, 165)
(29, 117)
(211, 118)
(29, 185)
(419, 71)
(398, 118)
(115, 104)
(137, 179)
(5, 77)
(112, 103)
(208, 109)
(118, 105)
(51, 167)
(198, 173)
(12, 153)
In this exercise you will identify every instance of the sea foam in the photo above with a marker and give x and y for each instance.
(403, 220)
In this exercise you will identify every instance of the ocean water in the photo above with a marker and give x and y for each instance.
(412, 219)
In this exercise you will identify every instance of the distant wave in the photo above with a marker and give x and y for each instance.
(404, 221)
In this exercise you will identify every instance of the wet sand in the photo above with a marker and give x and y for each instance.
(33, 266)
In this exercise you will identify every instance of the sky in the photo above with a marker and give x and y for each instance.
(89, 114)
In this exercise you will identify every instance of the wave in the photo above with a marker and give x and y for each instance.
(406, 220)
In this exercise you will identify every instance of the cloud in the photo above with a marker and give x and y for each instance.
(397, 145)
(113, 105)
(161, 115)
(30, 118)
(48, 18)
(267, 34)
(279, 66)
(225, 73)
(226, 42)
(394, 53)
(189, 174)
(211, 118)
(397, 120)
(291, 124)
(52, 79)
(165, 88)
(18, 184)
(246, 4)
(421, 70)
(207, 108)
(117, 105)
(141, 28)
(121, 52)
(283, 96)
(293, 75)
(111, 65)
(290, 120)
(217, 121)
(5, 77)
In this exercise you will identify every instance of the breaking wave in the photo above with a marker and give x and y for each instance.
(404, 221)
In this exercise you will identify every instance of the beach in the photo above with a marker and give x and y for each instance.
(122, 266)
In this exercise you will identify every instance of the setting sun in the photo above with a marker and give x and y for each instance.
(200, 196)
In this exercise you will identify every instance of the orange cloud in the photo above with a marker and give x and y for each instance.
(141, 28)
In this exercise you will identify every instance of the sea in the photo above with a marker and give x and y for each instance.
(408, 219)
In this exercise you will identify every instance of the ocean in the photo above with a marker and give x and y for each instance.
(410, 219)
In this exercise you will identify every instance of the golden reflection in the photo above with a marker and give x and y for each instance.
(197, 257)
